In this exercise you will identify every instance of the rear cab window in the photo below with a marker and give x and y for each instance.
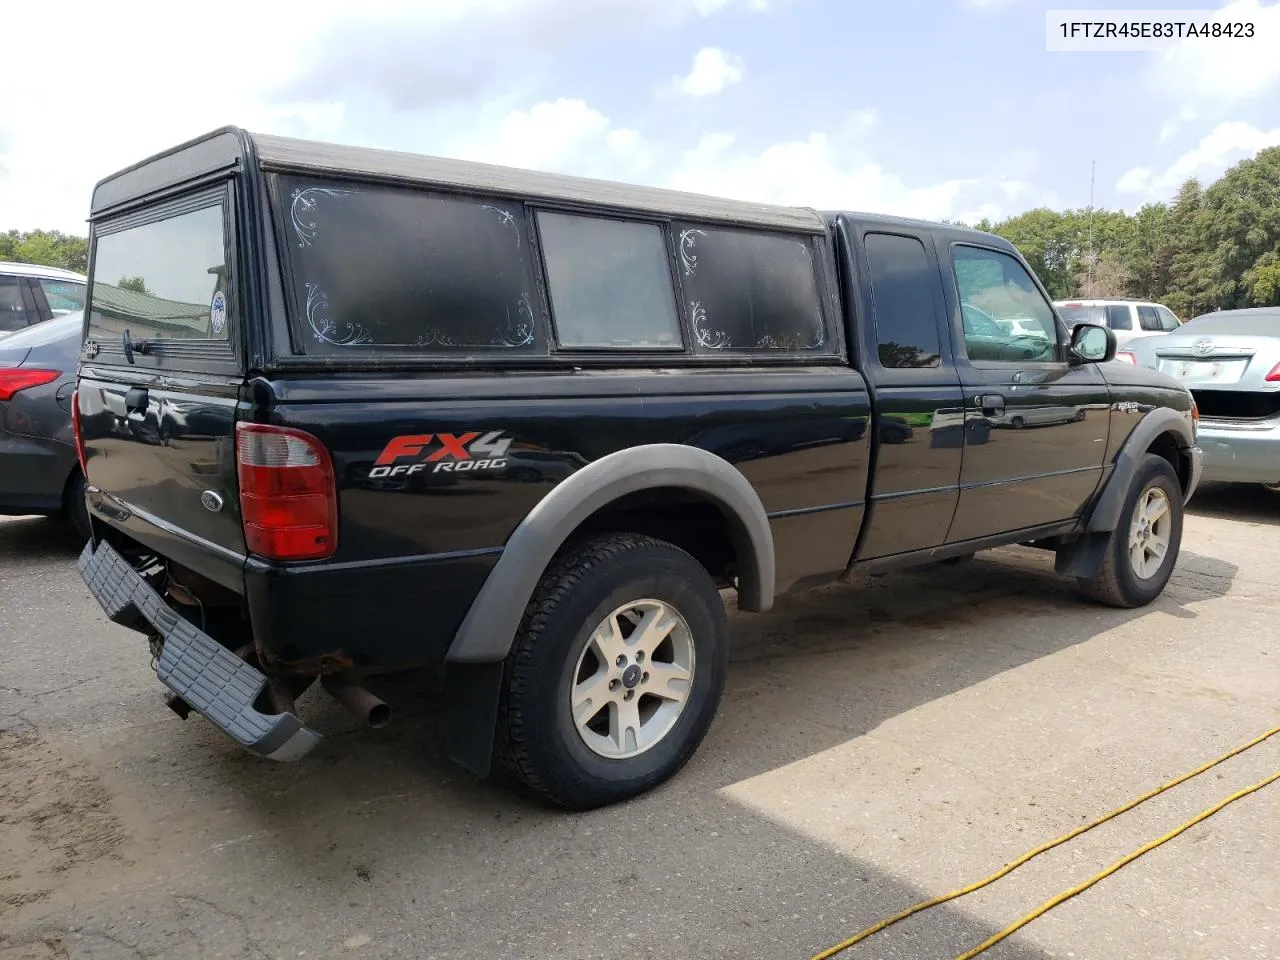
(161, 286)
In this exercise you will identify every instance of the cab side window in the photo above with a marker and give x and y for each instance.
(1149, 319)
(15, 311)
(1006, 318)
(905, 320)
(1119, 316)
(63, 296)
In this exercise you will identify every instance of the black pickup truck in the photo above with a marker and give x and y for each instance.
(345, 412)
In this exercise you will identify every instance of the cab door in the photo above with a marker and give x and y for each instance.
(1036, 424)
(907, 360)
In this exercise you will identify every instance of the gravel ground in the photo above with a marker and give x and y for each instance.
(879, 743)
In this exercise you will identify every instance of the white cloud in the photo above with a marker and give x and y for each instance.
(1212, 76)
(860, 121)
(162, 84)
(1226, 144)
(565, 136)
(1187, 114)
(820, 172)
(708, 7)
(829, 170)
(713, 70)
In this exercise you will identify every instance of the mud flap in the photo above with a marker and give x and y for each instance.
(472, 694)
(1082, 558)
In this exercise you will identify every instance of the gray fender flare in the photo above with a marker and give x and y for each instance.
(1105, 515)
(490, 626)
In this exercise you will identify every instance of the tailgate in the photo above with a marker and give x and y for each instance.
(160, 380)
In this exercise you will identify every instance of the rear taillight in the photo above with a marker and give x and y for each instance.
(288, 498)
(77, 432)
(1274, 375)
(15, 379)
(1125, 357)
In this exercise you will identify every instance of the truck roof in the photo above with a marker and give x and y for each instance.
(230, 147)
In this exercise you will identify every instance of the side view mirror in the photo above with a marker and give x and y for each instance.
(1091, 343)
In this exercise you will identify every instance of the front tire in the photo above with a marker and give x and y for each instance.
(1143, 548)
(616, 672)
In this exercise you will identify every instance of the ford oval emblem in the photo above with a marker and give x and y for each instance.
(212, 502)
(1202, 347)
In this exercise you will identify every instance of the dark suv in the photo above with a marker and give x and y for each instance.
(345, 412)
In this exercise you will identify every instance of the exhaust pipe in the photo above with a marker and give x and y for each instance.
(359, 701)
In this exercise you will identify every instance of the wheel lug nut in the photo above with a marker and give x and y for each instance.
(639, 656)
(644, 677)
(629, 694)
(613, 684)
(621, 661)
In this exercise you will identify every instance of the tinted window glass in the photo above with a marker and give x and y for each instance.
(162, 280)
(1073, 313)
(64, 296)
(750, 291)
(1119, 316)
(1167, 319)
(999, 286)
(14, 314)
(1148, 319)
(902, 294)
(610, 282)
(387, 267)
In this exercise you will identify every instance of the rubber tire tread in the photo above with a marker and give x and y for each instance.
(1115, 584)
(529, 760)
(74, 509)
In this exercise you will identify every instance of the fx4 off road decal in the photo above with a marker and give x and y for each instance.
(442, 452)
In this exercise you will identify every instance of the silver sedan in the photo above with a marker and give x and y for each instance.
(1230, 361)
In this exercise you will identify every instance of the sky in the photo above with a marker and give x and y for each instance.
(942, 109)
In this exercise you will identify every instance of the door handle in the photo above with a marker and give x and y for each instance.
(991, 404)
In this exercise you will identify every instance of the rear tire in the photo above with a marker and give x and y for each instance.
(581, 721)
(1143, 548)
(74, 508)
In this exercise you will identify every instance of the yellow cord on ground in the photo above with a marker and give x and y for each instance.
(1066, 895)
(1032, 854)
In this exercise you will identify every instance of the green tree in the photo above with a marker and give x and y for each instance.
(49, 248)
(136, 284)
(1242, 227)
